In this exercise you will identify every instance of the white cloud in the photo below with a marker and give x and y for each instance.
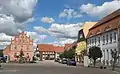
(4, 40)
(69, 13)
(63, 42)
(101, 10)
(9, 26)
(30, 20)
(40, 29)
(43, 37)
(4, 37)
(47, 20)
(13, 14)
(20, 9)
(36, 37)
(63, 32)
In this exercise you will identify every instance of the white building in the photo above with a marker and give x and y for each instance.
(105, 35)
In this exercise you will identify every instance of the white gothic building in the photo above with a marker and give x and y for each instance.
(105, 34)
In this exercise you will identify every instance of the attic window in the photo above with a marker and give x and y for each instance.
(91, 34)
(107, 28)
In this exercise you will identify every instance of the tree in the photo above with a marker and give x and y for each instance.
(71, 53)
(95, 53)
(21, 56)
(61, 55)
(115, 56)
(1, 53)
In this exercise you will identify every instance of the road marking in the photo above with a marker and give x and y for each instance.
(9, 70)
(116, 72)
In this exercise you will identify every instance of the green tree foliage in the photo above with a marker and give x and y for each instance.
(95, 53)
(1, 53)
(21, 56)
(68, 53)
(21, 53)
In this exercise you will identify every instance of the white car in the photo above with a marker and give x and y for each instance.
(60, 61)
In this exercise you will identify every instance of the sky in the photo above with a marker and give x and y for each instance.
(50, 21)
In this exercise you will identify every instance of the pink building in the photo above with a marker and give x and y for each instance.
(20, 43)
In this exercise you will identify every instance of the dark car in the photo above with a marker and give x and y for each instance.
(57, 60)
(2, 60)
(71, 62)
(64, 61)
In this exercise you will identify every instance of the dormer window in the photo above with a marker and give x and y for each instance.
(107, 28)
(91, 34)
(98, 31)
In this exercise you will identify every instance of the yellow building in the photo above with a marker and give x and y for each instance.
(81, 45)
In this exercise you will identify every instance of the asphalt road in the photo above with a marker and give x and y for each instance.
(49, 67)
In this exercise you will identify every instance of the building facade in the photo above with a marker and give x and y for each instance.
(49, 51)
(81, 42)
(105, 35)
(20, 43)
(46, 51)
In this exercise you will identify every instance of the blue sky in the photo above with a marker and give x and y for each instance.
(50, 21)
(52, 9)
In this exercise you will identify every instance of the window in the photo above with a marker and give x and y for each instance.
(107, 39)
(103, 40)
(98, 40)
(15, 46)
(27, 47)
(115, 36)
(90, 41)
(111, 38)
(95, 40)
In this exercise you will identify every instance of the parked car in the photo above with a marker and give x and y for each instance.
(71, 62)
(2, 60)
(57, 60)
(64, 61)
(60, 60)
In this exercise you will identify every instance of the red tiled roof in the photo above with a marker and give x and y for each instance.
(59, 48)
(67, 46)
(72, 45)
(110, 21)
(107, 18)
(45, 47)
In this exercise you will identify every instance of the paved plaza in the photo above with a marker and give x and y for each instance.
(50, 67)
